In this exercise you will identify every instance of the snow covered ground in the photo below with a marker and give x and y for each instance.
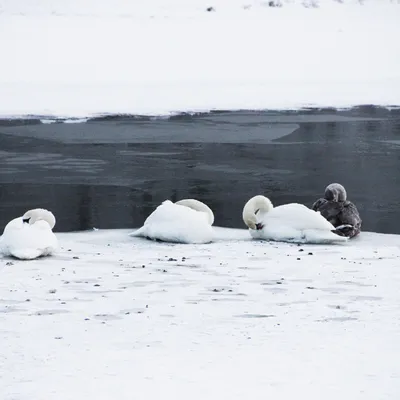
(80, 58)
(114, 317)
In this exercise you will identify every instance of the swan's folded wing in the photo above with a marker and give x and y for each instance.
(350, 216)
(176, 223)
(27, 242)
(316, 206)
(298, 216)
(331, 211)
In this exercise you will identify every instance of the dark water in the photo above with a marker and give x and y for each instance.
(112, 172)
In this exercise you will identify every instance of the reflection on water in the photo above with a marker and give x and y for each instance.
(231, 157)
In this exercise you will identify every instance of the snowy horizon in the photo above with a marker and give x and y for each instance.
(80, 59)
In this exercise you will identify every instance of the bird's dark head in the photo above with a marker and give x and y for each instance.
(335, 192)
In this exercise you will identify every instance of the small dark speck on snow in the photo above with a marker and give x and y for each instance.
(143, 266)
(301, 249)
(310, 254)
(75, 258)
(310, 287)
(298, 258)
(58, 337)
(96, 284)
(172, 259)
(87, 319)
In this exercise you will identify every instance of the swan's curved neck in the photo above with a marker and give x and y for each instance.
(39, 214)
(257, 204)
(198, 206)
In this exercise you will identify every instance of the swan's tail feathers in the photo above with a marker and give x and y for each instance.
(138, 232)
(347, 230)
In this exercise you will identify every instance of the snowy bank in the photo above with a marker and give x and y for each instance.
(82, 58)
(116, 317)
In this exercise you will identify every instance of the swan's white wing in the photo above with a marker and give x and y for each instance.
(297, 224)
(26, 241)
(175, 223)
(322, 237)
(298, 216)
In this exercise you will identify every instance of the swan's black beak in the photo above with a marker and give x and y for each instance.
(259, 226)
(26, 220)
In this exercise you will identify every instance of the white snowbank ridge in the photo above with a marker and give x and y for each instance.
(116, 317)
(132, 8)
(81, 58)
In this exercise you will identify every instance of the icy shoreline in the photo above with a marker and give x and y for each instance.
(237, 318)
(367, 111)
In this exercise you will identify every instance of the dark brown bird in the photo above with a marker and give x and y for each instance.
(339, 211)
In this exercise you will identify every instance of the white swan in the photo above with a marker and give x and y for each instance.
(293, 223)
(30, 236)
(186, 221)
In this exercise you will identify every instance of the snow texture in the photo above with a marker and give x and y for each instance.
(112, 316)
(82, 58)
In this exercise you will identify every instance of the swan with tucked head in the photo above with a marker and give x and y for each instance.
(339, 211)
(197, 205)
(30, 236)
(39, 214)
(254, 210)
(186, 221)
(293, 223)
